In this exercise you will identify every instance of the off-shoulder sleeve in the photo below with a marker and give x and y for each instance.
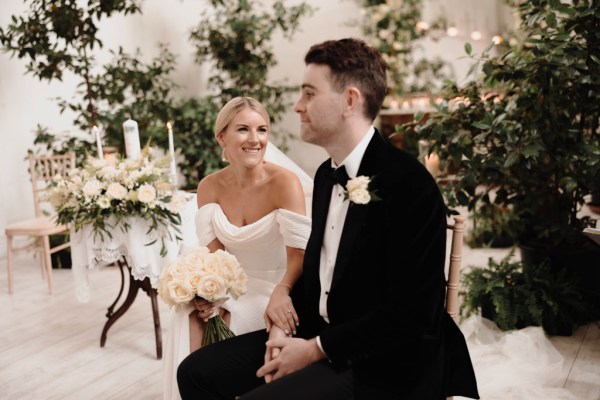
(294, 228)
(204, 224)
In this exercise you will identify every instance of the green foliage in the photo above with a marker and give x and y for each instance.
(234, 35)
(515, 296)
(527, 134)
(57, 36)
(392, 29)
(493, 226)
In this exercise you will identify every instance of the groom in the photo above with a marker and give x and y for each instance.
(371, 299)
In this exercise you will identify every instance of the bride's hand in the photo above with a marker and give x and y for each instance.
(205, 308)
(280, 311)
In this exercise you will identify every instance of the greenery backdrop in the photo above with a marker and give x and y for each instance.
(234, 36)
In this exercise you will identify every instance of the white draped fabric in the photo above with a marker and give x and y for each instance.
(518, 365)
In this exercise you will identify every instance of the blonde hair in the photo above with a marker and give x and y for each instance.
(233, 107)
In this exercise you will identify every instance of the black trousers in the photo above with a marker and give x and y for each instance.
(227, 369)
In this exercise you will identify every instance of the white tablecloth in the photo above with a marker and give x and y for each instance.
(88, 253)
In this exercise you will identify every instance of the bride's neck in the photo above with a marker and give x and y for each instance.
(244, 177)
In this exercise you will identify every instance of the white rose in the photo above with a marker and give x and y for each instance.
(360, 183)
(177, 203)
(211, 287)
(76, 179)
(108, 171)
(92, 188)
(181, 290)
(195, 259)
(116, 191)
(229, 265)
(146, 193)
(103, 202)
(359, 196)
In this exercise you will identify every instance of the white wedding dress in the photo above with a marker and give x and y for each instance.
(260, 249)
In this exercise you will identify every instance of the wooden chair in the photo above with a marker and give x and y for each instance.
(41, 169)
(452, 282)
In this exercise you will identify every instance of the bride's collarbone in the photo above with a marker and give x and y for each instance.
(243, 215)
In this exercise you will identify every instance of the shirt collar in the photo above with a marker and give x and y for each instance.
(352, 162)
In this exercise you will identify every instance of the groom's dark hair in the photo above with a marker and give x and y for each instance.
(353, 63)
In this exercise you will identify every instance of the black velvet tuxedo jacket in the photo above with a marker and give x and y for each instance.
(386, 302)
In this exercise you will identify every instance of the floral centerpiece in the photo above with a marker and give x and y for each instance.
(213, 276)
(104, 193)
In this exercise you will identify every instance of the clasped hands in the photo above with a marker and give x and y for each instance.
(285, 355)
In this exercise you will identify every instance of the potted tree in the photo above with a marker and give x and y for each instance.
(525, 136)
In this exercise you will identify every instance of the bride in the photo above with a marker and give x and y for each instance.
(256, 210)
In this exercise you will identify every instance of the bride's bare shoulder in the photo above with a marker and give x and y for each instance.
(280, 175)
(287, 188)
(209, 188)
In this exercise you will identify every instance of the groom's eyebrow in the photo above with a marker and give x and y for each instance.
(308, 86)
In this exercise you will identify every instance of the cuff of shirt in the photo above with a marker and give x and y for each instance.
(318, 340)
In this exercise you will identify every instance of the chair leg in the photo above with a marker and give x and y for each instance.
(48, 262)
(9, 263)
(39, 244)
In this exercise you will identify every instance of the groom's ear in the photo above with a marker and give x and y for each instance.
(354, 100)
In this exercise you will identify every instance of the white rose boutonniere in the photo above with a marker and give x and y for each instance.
(357, 190)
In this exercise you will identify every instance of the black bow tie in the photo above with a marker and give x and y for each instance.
(338, 175)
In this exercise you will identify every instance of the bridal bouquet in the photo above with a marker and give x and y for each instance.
(104, 193)
(213, 276)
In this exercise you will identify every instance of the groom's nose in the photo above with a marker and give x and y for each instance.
(299, 107)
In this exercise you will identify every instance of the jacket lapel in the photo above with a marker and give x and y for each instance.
(356, 218)
(320, 208)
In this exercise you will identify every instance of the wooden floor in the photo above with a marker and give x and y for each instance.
(50, 344)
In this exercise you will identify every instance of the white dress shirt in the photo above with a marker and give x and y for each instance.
(338, 208)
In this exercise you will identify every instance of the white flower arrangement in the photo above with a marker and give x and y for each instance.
(357, 190)
(119, 188)
(213, 276)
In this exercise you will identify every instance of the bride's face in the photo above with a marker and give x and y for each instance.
(245, 138)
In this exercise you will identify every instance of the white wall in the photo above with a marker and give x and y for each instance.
(26, 102)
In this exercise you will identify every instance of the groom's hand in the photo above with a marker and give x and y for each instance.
(292, 355)
(272, 352)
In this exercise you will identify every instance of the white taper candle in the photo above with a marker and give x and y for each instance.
(96, 133)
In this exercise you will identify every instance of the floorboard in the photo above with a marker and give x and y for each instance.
(50, 344)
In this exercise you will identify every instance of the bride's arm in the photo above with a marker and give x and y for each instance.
(280, 310)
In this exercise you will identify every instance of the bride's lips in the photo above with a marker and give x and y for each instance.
(251, 150)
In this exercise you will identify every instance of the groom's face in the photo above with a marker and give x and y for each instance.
(320, 107)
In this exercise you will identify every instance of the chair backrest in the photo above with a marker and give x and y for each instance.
(42, 169)
(452, 283)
